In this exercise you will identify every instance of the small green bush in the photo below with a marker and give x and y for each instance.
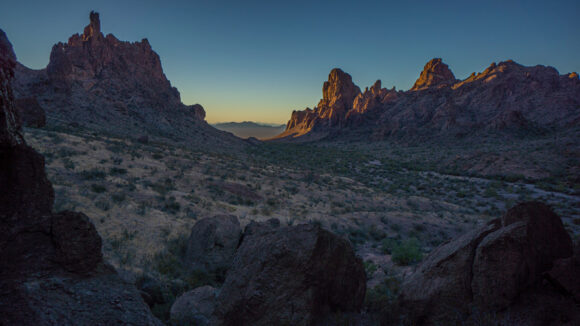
(407, 252)
(93, 174)
(117, 171)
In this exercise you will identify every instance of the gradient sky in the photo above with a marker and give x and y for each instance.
(259, 60)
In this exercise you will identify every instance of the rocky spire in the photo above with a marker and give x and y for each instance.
(338, 94)
(93, 28)
(434, 73)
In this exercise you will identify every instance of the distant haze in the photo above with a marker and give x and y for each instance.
(248, 129)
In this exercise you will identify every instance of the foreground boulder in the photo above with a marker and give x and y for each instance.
(490, 268)
(291, 275)
(51, 266)
(212, 244)
(194, 307)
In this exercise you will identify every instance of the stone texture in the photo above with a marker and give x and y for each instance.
(212, 244)
(564, 276)
(292, 275)
(194, 307)
(51, 266)
(9, 127)
(490, 268)
(30, 112)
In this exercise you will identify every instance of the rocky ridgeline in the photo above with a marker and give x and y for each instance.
(100, 82)
(51, 266)
(506, 97)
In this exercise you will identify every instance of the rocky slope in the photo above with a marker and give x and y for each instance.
(51, 265)
(505, 98)
(99, 82)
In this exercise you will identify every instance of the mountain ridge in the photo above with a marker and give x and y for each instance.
(506, 97)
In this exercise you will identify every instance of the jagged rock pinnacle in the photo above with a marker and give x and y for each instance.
(94, 27)
(434, 73)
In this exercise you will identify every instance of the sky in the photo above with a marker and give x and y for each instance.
(259, 60)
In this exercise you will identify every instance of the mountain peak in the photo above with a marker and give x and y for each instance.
(339, 82)
(434, 73)
(93, 28)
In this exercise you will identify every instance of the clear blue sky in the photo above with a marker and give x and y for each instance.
(259, 60)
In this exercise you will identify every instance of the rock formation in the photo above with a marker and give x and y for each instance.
(290, 276)
(494, 268)
(194, 307)
(505, 98)
(30, 112)
(213, 243)
(51, 266)
(99, 82)
(434, 74)
(338, 94)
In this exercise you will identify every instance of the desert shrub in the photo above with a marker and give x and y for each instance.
(103, 204)
(171, 206)
(68, 163)
(388, 244)
(407, 252)
(98, 188)
(117, 171)
(376, 233)
(93, 174)
(357, 236)
(370, 268)
(118, 197)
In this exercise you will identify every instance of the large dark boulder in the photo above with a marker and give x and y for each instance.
(212, 244)
(194, 307)
(290, 276)
(490, 269)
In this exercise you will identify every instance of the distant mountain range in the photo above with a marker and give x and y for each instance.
(248, 129)
(506, 98)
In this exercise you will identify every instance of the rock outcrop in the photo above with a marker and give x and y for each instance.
(338, 94)
(103, 83)
(213, 243)
(51, 266)
(9, 123)
(490, 268)
(194, 307)
(290, 275)
(506, 98)
(434, 74)
(30, 112)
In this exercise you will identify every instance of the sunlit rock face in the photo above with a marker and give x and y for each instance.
(435, 73)
(100, 82)
(506, 98)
